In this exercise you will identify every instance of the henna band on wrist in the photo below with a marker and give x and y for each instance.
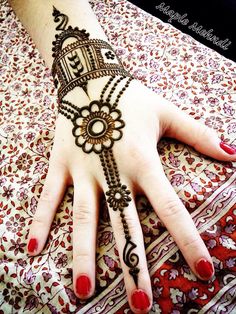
(78, 59)
(98, 125)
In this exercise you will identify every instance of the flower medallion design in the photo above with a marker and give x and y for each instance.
(110, 55)
(118, 197)
(97, 126)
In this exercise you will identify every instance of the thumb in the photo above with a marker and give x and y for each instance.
(192, 132)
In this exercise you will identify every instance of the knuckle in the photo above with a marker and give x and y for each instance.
(133, 226)
(119, 227)
(82, 213)
(46, 195)
(172, 208)
(82, 256)
(39, 218)
(145, 168)
(202, 132)
(191, 243)
(136, 152)
(144, 164)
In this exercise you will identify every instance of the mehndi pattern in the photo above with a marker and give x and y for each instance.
(97, 126)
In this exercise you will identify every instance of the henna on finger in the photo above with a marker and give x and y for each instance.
(96, 127)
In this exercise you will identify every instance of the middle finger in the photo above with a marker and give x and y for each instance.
(129, 239)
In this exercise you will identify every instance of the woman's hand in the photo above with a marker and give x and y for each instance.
(148, 117)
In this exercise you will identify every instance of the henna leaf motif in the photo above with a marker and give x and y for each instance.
(75, 63)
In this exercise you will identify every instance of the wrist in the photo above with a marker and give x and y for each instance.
(79, 59)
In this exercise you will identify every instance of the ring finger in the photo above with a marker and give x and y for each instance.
(178, 221)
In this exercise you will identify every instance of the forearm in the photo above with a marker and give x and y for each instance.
(36, 16)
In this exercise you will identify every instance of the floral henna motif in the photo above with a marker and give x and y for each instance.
(118, 197)
(98, 125)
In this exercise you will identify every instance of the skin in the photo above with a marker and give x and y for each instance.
(138, 161)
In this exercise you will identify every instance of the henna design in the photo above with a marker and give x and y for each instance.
(61, 18)
(118, 199)
(95, 57)
(76, 64)
(97, 126)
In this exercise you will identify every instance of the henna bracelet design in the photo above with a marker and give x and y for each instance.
(97, 126)
(78, 59)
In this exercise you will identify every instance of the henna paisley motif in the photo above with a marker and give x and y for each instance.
(60, 18)
(131, 259)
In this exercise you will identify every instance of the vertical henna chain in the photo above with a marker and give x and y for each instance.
(97, 126)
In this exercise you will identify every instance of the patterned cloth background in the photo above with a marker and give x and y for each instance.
(194, 78)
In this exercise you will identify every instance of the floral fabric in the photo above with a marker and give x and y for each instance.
(194, 78)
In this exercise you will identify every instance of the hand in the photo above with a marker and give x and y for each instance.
(148, 117)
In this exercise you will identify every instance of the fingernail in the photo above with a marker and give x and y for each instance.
(227, 148)
(83, 285)
(140, 300)
(204, 269)
(32, 245)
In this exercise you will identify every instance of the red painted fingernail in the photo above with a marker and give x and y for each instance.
(227, 148)
(140, 300)
(204, 269)
(33, 245)
(83, 285)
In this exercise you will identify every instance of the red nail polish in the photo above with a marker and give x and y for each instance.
(32, 245)
(140, 300)
(83, 285)
(227, 148)
(204, 269)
